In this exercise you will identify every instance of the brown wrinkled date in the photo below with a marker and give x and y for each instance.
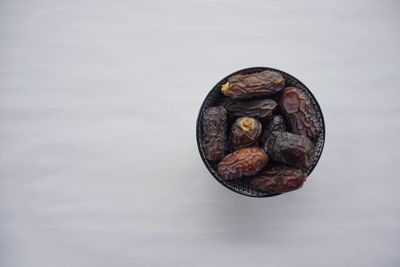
(245, 132)
(292, 149)
(242, 86)
(259, 108)
(214, 132)
(279, 179)
(276, 124)
(246, 161)
(299, 112)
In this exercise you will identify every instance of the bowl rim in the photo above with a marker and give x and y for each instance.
(198, 124)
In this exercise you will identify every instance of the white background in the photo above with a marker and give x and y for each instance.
(98, 159)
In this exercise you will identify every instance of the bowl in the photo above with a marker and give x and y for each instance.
(215, 97)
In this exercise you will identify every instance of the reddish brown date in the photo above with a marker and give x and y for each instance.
(245, 132)
(299, 112)
(259, 108)
(241, 86)
(279, 179)
(276, 124)
(292, 149)
(214, 132)
(246, 161)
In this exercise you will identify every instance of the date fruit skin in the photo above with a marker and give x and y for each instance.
(291, 149)
(242, 86)
(279, 179)
(299, 112)
(245, 132)
(214, 132)
(246, 161)
(276, 124)
(258, 108)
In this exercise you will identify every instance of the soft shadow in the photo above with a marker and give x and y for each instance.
(237, 217)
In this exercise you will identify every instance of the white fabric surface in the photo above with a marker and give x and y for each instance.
(99, 164)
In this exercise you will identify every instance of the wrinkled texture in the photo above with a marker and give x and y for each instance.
(242, 86)
(299, 112)
(292, 149)
(279, 179)
(276, 124)
(246, 161)
(259, 108)
(214, 132)
(245, 132)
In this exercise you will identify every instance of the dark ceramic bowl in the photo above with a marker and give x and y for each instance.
(215, 97)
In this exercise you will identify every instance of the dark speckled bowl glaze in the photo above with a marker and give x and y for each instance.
(215, 96)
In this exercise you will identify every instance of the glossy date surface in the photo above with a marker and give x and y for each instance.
(291, 149)
(245, 132)
(299, 112)
(279, 179)
(242, 86)
(246, 161)
(258, 108)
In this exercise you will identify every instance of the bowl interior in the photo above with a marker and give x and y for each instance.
(215, 98)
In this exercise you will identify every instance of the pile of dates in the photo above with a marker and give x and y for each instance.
(262, 132)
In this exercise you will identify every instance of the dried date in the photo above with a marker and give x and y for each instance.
(245, 132)
(259, 108)
(214, 132)
(279, 179)
(299, 112)
(292, 149)
(276, 124)
(242, 86)
(246, 161)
